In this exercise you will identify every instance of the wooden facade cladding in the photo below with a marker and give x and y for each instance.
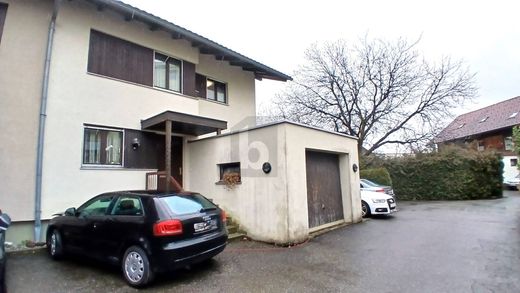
(188, 78)
(3, 14)
(117, 58)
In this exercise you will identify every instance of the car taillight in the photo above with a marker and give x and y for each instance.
(167, 228)
(380, 190)
(223, 216)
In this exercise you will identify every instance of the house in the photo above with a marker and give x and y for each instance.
(487, 128)
(98, 95)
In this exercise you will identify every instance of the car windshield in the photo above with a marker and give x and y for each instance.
(181, 204)
(369, 183)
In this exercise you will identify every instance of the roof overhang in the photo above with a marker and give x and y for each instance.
(183, 123)
(205, 46)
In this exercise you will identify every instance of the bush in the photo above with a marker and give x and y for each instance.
(378, 175)
(453, 174)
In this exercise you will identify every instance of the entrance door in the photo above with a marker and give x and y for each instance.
(176, 157)
(323, 188)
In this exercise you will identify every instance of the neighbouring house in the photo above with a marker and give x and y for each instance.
(97, 95)
(487, 128)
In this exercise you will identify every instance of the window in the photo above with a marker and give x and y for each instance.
(128, 206)
(514, 162)
(231, 171)
(3, 13)
(462, 125)
(210, 89)
(483, 119)
(185, 204)
(96, 207)
(513, 115)
(167, 72)
(102, 147)
(481, 146)
(508, 143)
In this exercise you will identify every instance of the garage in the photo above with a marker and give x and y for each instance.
(323, 188)
(311, 181)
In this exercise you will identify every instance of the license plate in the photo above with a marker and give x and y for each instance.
(205, 226)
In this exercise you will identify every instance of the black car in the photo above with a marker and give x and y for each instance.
(143, 231)
(5, 221)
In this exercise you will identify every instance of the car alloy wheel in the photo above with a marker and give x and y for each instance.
(54, 245)
(136, 267)
(365, 209)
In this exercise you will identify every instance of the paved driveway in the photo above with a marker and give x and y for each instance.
(470, 246)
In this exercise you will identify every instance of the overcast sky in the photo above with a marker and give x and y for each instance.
(486, 34)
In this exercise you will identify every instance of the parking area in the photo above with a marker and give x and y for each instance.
(467, 246)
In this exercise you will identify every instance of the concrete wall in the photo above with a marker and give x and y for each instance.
(259, 203)
(22, 51)
(272, 207)
(77, 97)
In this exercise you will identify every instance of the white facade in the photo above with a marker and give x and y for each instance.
(510, 167)
(272, 207)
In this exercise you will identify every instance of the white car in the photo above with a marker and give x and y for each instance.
(368, 185)
(512, 183)
(377, 203)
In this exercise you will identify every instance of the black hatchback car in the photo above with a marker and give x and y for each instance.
(143, 231)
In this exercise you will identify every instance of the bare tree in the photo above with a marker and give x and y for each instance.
(382, 92)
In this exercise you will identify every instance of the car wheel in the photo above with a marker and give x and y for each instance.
(136, 267)
(365, 209)
(55, 244)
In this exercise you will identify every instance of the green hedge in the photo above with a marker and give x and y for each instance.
(378, 175)
(453, 174)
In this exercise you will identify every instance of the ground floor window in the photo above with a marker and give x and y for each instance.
(102, 146)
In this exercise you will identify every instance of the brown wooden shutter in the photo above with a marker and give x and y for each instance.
(114, 57)
(188, 78)
(200, 86)
(3, 13)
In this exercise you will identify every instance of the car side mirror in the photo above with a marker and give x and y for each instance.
(70, 212)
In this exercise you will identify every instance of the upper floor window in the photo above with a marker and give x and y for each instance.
(211, 89)
(508, 143)
(102, 147)
(3, 13)
(480, 145)
(167, 72)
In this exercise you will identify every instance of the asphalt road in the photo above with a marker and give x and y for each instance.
(469, 246)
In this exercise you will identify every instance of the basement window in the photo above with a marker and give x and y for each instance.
(514, 162)
(230, 172)
(3, 13)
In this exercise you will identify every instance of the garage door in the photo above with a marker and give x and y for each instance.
(323, 188)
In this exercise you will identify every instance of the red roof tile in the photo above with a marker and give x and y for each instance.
(498, 117)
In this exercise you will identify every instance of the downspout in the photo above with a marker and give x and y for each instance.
(41, 129)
